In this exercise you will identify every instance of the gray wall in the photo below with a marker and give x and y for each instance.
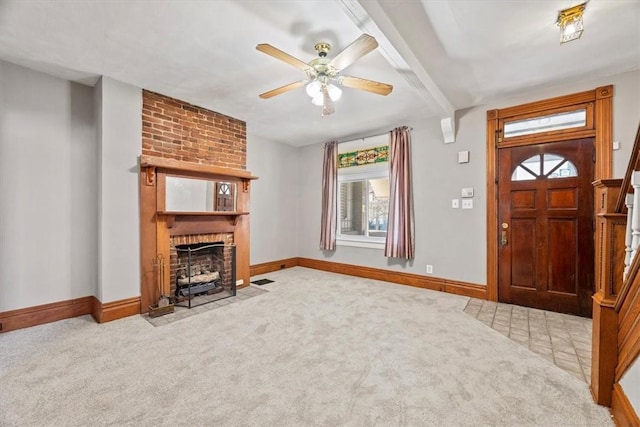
(48, 184)
(274, 200)
(69, 209)
(452, 240)
(120, 124)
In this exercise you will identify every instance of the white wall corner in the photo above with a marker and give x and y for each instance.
(448, 126)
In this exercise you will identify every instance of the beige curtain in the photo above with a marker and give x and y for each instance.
(400, 234)
(328, 226)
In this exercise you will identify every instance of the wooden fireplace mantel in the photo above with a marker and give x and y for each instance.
(173, 215)
(158, 225)
(206, 170)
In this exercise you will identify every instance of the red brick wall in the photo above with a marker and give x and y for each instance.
(177, 130)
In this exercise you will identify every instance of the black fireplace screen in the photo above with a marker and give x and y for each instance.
(206, 272)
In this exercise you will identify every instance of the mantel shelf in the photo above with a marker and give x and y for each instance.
(171, 215)
(180, 166)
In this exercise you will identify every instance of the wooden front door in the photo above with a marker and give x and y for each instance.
(545, 226)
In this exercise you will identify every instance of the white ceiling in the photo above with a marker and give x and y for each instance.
(440, 56)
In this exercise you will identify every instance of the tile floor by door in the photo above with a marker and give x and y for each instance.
(562, 339)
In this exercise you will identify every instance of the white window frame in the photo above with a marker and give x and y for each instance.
(361, 173)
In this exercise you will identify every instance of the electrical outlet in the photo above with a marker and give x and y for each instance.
(429, 269)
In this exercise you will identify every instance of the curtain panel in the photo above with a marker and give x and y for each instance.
(329, 219)
(400, 232)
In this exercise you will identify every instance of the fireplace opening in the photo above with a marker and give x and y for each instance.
(204, 272)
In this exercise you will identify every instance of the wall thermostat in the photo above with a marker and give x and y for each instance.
(467, 192)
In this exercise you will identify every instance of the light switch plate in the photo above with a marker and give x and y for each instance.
(463, 156)
(455, 203)
(467, 203)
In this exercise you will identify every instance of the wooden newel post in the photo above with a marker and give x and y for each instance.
(610, 236)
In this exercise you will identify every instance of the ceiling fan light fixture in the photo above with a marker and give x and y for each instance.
(314, 88)
(570, 23)
(334, 92)
(323, 71)
(318, 99)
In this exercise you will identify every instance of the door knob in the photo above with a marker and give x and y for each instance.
(503, 237)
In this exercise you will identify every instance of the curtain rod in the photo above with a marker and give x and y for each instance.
(368, 136)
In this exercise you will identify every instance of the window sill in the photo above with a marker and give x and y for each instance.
(360, 243)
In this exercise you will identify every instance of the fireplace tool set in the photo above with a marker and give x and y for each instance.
(164, 305)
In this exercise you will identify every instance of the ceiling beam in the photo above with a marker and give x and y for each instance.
(372, 19)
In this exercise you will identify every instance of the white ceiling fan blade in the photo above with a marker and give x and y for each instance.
(356, 50)
(327, 105)
(282, 89)
(364, 84)
(283, 56)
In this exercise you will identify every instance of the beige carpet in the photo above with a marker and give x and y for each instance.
(319, 349)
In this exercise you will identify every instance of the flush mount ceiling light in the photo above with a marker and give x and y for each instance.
(570, 23)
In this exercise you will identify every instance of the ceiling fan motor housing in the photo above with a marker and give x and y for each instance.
(322, 48)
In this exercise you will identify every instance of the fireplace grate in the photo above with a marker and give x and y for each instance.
(200, 288)
(206, 272)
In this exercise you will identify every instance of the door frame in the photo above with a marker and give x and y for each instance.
(599, 105)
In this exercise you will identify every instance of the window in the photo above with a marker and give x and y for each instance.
(544, 166)
(363, 208)
(363, 195)
(551, 122)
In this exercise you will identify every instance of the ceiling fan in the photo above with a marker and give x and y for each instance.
(323, 73)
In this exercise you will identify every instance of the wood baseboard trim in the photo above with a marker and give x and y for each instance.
(465, 289)
(46, 313)
(268, 267)
(114, 310)
(409, 279)
(621, 409)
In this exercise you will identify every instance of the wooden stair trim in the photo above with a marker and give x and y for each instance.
(634, 164)
(629, 327)
(621, 409)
